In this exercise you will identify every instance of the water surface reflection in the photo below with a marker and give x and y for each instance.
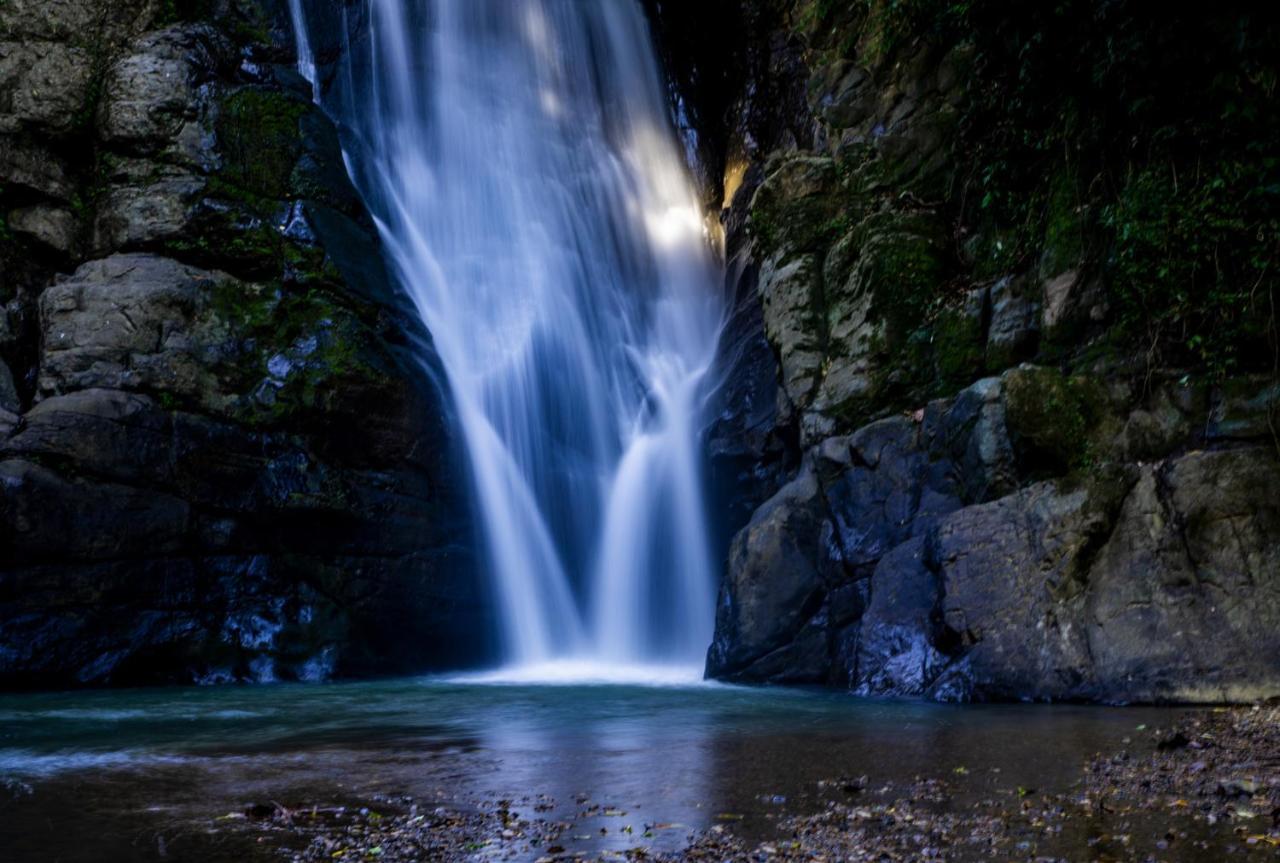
(148, 773)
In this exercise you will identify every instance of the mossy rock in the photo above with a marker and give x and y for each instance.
(300, 351)
(260, 141)
(959, 349)
(1055, 421)
(903, 263)
(884, 295)
(798, 208)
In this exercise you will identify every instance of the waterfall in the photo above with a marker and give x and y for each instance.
(306, 62)
(527, 181)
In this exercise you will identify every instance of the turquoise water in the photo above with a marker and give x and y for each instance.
(147, 773)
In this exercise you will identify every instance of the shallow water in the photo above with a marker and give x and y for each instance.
(146, 774)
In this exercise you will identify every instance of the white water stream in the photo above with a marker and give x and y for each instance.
(531, 193)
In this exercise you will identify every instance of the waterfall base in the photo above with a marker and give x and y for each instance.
(590, 671)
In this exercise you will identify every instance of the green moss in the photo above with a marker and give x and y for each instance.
(235, 239)
(1063, 247)
(1053, 417)
(958, 349)
(260, 142)
(1166, 128)
(904, 267)
(925, 343)
(892, 25)
(248, 308)
(830, 26)
(840, 213)
(800, 209)
(337, 367)
(1144, 148)
(267, 320)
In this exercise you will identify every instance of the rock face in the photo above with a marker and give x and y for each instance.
(224, 454)
(963, 484)
(914, 557)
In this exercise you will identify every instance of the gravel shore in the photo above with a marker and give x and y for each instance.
(1207, 789)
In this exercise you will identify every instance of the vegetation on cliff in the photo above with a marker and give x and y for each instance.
(1142, 145)
(1016, 267)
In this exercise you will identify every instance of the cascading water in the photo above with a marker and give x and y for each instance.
(306, 64)
(521, 164)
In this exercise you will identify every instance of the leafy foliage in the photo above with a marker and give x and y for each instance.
(1111, 131)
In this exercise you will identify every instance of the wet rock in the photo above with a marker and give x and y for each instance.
(897, 650)
(146, 205)
(1202, 531)
(109, 432)
(859, 499)
(972, 432)
(983, 465)
(774, 583)
(152, 101)
(1011, 571)
(872, 510)
(748, 443)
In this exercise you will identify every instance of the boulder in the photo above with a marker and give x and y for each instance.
(136, 322)
(919, 556)
(897, 642)
(809, 560)
(48, 85)
(1011, 572)
(1014, 332)
(775, 582)
(53, 227)
(152, 97)
(147, 204)
(1184, 597)
(789, 295)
